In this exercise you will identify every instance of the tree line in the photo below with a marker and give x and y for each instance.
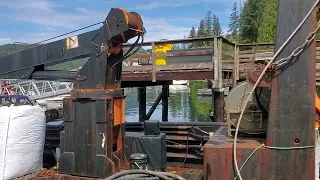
(255, 22)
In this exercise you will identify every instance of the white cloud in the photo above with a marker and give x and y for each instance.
(84, 10)
(47, 15)
(177, 3)
(157, 4)
(49, 28)
(45, 12)
(5, 40)
(44, 5)
(160, 28)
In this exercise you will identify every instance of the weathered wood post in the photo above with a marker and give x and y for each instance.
(153, 55)
(236, 65)
(217, 91)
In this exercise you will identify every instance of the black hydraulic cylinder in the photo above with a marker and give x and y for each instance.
(165, 106)
(54, 75)
(142, 103)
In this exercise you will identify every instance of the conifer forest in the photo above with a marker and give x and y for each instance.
(252, 22)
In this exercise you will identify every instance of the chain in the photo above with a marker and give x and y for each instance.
(299, 49)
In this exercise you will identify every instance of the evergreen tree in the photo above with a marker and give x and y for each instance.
(208, 24)
(192, 34)
(217, 31)
(234, 21)
(250, 20)
(268, 26)
(201, 32)
(208, 27)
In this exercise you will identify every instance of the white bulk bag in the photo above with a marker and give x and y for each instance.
(22, 135)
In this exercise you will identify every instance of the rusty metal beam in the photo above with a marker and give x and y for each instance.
(291, 114)
(292, 109)
(167, 76)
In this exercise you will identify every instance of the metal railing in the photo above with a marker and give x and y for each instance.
(36, 90)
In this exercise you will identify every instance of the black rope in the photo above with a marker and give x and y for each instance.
(128, 53)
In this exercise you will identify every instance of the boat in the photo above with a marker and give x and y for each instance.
(180, 82)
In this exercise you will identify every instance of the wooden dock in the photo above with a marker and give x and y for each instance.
(225, 64)
(191, 71)
(199, 64)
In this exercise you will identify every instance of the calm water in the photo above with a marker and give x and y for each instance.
(184, 103)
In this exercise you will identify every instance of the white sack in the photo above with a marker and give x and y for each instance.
(22, 135)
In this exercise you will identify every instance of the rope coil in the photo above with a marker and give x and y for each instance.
(143, 174)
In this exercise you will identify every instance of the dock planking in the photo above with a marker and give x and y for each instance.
(191, 71)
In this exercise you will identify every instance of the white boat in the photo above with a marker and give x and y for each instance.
(178, 86)
(180, 82)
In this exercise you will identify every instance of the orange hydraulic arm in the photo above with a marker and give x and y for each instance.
(317, 104)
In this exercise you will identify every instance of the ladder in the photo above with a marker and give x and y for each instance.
(36, 90)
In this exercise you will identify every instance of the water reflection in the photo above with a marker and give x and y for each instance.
(184, 104)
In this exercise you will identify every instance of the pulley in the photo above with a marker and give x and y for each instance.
(254, 72)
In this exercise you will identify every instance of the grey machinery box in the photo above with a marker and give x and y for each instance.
(154, 146)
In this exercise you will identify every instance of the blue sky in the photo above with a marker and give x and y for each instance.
(34, 20)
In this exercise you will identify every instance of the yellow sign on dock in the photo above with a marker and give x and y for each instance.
(162, 49)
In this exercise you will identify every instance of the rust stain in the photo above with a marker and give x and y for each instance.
(61, 177)
(311, 166)
(115, 48)
(180, 132)
(93, 90)
(45, 172)
(119, 111)
(115, 86)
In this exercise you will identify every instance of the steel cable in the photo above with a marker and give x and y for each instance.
(28, 46)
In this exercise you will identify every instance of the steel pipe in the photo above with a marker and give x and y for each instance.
(52, 75)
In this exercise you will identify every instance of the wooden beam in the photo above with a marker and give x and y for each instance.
(153, 63)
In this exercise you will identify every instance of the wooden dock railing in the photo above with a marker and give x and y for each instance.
(226, 60)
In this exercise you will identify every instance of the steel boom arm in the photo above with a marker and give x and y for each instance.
(29, 63)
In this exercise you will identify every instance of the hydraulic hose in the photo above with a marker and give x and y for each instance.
(143, 174)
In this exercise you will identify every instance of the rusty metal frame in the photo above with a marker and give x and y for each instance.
(93, 137)
(292, 107)
(291, 114)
